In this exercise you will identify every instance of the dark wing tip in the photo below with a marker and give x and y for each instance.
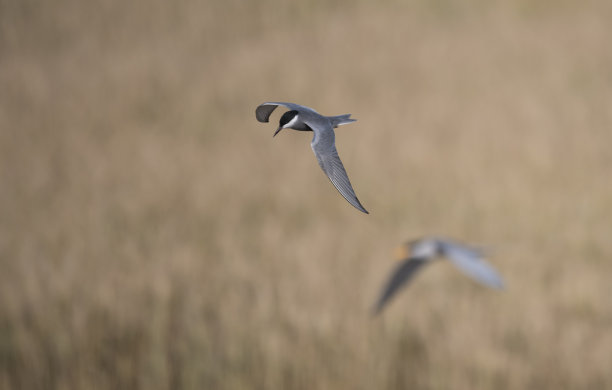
(354, 202)
(381, 302)
(362, 208)
(263, 111)
(376, 309)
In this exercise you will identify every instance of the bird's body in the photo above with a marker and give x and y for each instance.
(323, 143)
(417, 253)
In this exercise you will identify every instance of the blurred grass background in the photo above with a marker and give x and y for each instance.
(153, 235)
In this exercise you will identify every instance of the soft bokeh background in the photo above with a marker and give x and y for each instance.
(153, 235)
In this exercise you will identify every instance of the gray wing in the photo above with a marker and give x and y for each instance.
(399, 278)
(470, 262)
(328, 158)
(264, 110)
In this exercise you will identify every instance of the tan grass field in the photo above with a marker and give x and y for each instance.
(153, 235)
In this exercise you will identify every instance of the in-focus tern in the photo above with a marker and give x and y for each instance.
(323, 143)
(415, 254)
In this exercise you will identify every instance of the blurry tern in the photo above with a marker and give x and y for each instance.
(323, 143)
(416, 253)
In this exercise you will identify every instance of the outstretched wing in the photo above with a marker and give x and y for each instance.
(399, 278)
(470, 262)
(264, 110)
(328, 158)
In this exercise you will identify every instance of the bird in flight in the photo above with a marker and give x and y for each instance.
(323, 143)
(419, 252)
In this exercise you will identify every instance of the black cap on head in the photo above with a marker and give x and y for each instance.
(286, 118)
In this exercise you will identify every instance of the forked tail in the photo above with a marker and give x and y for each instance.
(341, 120)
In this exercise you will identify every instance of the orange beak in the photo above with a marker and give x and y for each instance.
(402, 252)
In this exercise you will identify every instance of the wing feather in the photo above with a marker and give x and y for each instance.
(332, 166)
(471, 263)
(399, 278)
(264, 110)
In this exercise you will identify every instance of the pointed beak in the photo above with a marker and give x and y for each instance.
(401, 252)
(277, 130)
